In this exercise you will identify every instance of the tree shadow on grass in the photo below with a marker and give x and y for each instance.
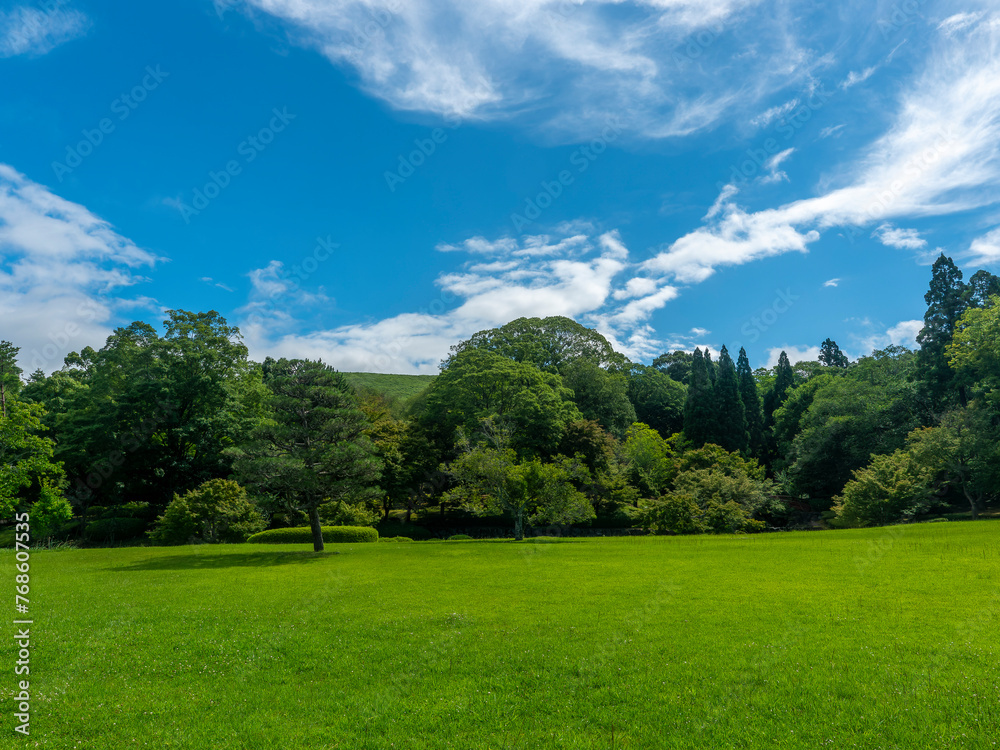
(210, 560)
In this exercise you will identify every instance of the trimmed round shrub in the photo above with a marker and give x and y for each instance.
(303, 535)
(391, 539)
(459, 538)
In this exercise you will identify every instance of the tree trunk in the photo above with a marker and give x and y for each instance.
(973, 502)
(518, 526)
(317, 530)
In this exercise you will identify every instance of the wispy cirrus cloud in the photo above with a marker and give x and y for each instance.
(566, 65)
(63, 272)
(30, 30)
(938, 157)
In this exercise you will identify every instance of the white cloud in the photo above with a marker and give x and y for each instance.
(700, 332)
(832, 130)
(27, 30)
(61, 272)
(795, 354)
(772, 164)
(774, 113)
(985, 250)
(564, 64)
(939, 157)
(959, 22)
(854, 78)
(903, 239)
(903, 333)
(832, 282)
(585, 277)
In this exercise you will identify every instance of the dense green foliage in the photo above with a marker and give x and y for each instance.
(868, 638)
(588, 438)
(303, 535)
(217, 511)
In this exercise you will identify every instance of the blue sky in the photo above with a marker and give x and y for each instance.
(370, 181)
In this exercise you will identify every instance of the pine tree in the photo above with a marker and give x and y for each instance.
(730, 414)
(752, 406)
(831, 356)
(699, 417)
(946, 301)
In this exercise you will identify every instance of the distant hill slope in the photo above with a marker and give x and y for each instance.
(403, 387)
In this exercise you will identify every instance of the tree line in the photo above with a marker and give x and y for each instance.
(180, 436)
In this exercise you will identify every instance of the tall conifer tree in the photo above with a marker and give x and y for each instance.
(946, 301)
(731, 420)
(751, 404)
(699, 417)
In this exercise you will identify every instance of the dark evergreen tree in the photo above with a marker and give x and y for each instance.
(713, 370)
(676, 364)
(774, 398)
(10, 374)
(730, 415)
(751, 405)
(982, 285)
(699, 414)
(946, 301)
(831, 356)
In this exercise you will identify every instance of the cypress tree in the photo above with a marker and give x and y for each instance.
(713, 371)
(731, 420)
(751, 404)
(699, 418)
(831, 356)
(946, 301)
(775, 397)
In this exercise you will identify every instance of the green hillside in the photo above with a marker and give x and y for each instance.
(403, 387)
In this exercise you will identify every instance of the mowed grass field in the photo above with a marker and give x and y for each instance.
(884, 638)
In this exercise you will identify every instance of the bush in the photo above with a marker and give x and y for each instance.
(459, 538)
(219, 510)
(395, 539)
(115, 529)
(890, 489)
(303, 535)
(340, 513)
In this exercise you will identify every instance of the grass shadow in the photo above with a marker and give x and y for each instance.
(213, 560)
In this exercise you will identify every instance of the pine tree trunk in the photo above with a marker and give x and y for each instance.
(317, 530)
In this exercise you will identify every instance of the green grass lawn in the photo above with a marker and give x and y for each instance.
(884, 638)
(403, 387)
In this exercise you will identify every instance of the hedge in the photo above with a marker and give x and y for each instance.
(303, 535)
